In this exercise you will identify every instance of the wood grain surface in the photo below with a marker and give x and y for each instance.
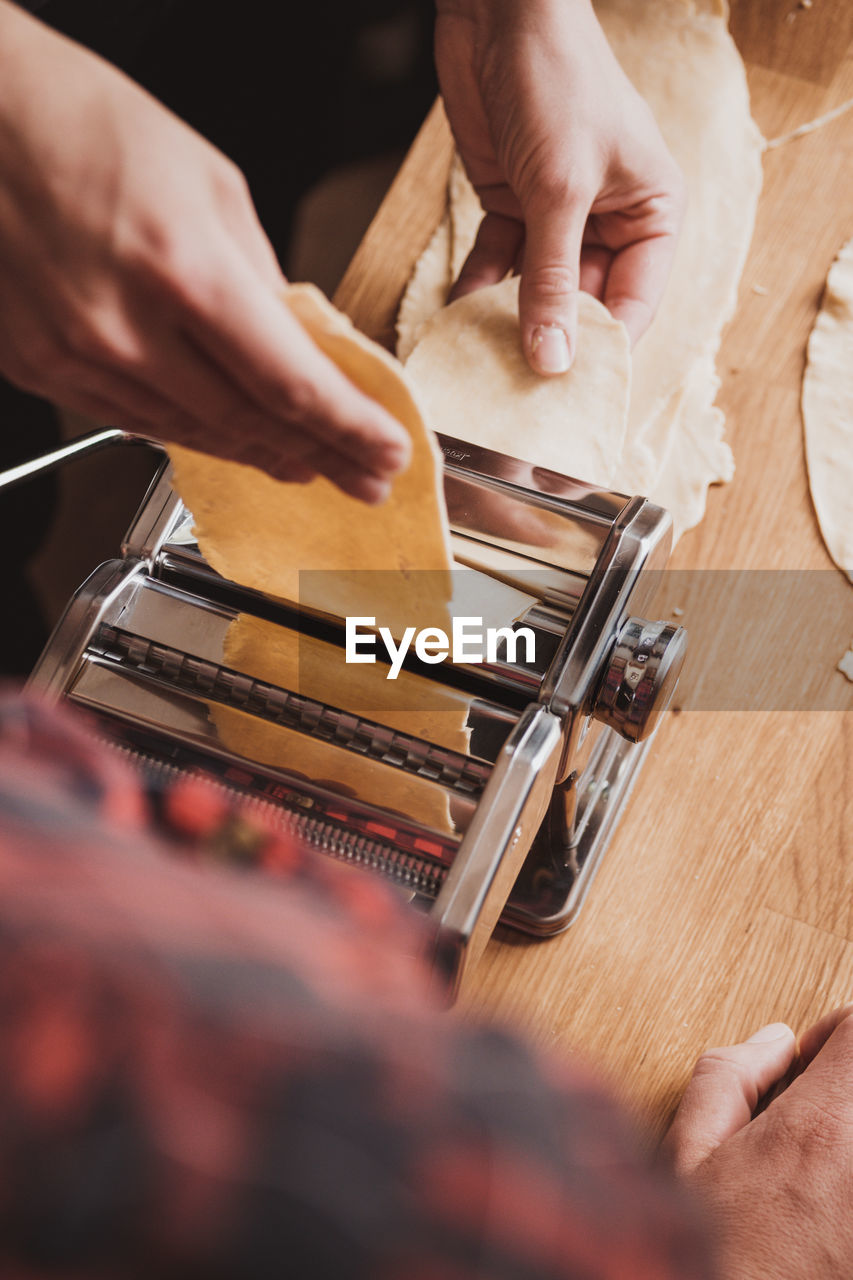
(726, 898)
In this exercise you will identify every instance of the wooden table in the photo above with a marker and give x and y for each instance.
(726, 898)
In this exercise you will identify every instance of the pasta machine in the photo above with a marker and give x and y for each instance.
(505, 829)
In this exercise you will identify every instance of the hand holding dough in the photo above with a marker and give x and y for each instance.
(575, 179)
(679, 55)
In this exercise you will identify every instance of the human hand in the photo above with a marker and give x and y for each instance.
(778, 1185)
(137, 286)
(574, 177)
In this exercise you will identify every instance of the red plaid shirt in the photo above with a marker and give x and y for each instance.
(209, 1072)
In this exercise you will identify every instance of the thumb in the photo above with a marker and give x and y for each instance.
(724, 1090)
(548, 293)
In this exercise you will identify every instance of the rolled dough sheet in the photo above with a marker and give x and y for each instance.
(471, 376)
(313, 545)
(827, 405)
(680, 56)
(466, 214)
(344, 772)
(683, 61)
(845, 665)
(315, 669)
(261, 532)
(427, 290)
(686, 444)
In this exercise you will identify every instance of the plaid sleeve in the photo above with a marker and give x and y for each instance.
(209, 1073)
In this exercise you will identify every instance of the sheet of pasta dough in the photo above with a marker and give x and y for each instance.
(316, 546)
(828, 412)
(680, 56)
(472, 377)
(411, 704)
(427, 290)
(683, 61)
(261, 532)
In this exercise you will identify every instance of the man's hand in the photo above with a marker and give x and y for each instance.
(778, 1186)
(577, 184)
(137, 286)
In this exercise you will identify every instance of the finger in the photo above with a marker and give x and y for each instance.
(813, 1040)
(289, 468)
(493, 255)
(595, 264)
(363, 485)
(724, 1090)
(236, 427)
(205, 410)
(133, 368)
(248, 331)
(300, 473)
(548, 294)
(636, 282)
(290, 471)
(98, 392)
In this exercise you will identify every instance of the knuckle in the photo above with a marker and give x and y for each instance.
(231, 182)
(548, 188)
(102, 339)
(728, 1070)
(569, 184)
(174, 265)
(552, 282)
(668, 208)
(303, 400)
(714, 1062)
(188, 279)
(542, 175)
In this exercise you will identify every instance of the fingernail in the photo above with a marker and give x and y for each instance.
(395, 457)
(773, 1031)
(549, 349)
(372, 490)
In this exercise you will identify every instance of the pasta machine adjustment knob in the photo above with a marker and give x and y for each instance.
(640, 677)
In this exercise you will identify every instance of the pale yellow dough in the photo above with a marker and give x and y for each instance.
(472, 378)
(262, 533)
(313, 545)
(680, 56)
(682, 59)
(845, 665)
(428, 288)
(315, 669)
(466, 214)
(828, 412)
